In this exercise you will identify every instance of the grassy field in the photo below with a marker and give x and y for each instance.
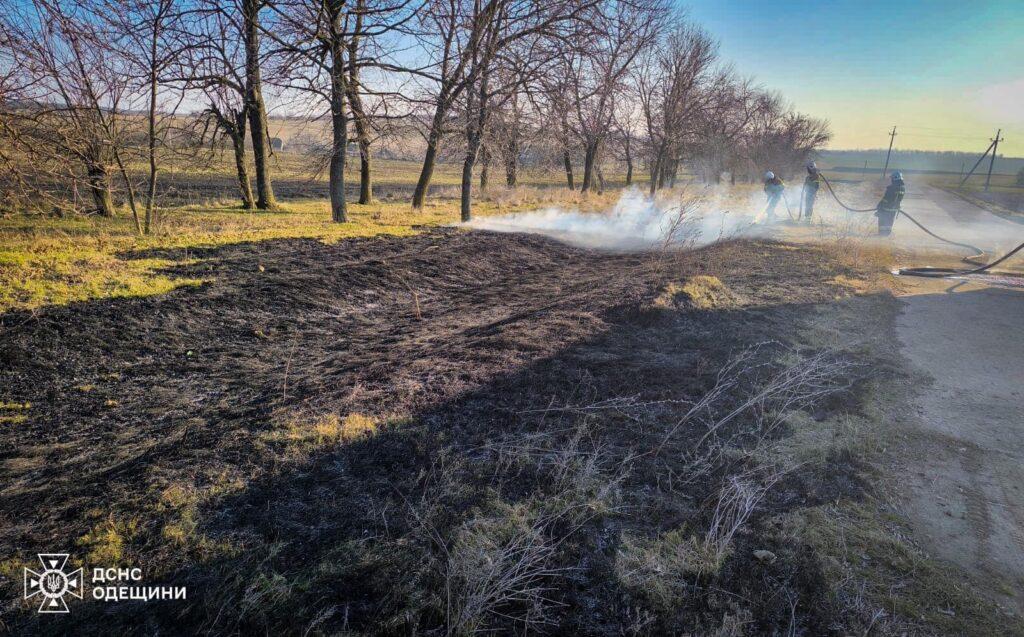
(48, 260)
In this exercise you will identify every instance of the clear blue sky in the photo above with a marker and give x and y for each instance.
(953, 70)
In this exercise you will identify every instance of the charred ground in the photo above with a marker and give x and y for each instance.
(449, 432)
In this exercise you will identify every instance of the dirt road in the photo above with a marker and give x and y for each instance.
(955, 218)
(964, 474)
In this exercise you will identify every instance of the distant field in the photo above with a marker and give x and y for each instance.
(210, 179)
(917, 161)
(1004, 196)
(932, 177)
(300, 176)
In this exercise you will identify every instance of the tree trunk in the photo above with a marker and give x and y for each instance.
(567, 161)
(656, 164)
(130, 188)
(99, 186)
(467, 182)
(238, 142)
(355, 101)
(485, 165)
(339, 129)
(363, 139)
(419, 195)
(365, 185)
(151, 197)
(476, 118)
(256, 107)
(589, 159)
(629, 164)
(511, 163)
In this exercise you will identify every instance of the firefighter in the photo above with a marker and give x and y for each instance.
(773, 187)
(889, 206)
(811, 184)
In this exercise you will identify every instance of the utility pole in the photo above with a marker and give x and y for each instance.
(892, 138)
(975, 166)
(992, 162)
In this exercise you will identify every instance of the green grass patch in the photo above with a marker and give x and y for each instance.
(865, 553)
(55, 261)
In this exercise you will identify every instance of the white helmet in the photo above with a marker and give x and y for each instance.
(769, 175)
(812, 166)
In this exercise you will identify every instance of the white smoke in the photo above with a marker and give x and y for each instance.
(637, 222)
(694, 218)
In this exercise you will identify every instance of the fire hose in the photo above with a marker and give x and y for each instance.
(929, 271)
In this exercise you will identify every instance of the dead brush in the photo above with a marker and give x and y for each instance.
(502, 566)
(578, 475)
(737, 500)
(663, 570)
(504, 562)
(762, 408)
(685, 224)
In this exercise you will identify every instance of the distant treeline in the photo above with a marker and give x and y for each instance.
(923, 161)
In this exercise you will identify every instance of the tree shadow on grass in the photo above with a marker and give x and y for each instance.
(199, 415)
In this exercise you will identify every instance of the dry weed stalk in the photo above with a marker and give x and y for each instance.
(795, 386)
(500, 562)
(737, 501)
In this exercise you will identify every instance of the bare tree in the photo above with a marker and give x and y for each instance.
(551, 100)
(781, 138)
(672, 89)
(360, 118)
(466, 41)
(322, 41)
(626, 124)
(68, 112)
(724, 127)
(510, 46)
(215, 65)
(144, 34)
(597, 69)
(509, 133)
(247, 15)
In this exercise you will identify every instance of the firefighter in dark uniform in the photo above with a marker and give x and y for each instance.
(811, 184)
(889, 206)
(773, 187)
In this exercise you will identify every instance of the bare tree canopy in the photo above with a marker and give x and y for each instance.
(93, 87)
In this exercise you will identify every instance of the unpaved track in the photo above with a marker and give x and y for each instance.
(964, 482)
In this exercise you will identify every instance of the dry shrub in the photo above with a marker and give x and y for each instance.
(736, 502)
(750, 401)
(500, 566)
(504, 563)
(661, 570)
